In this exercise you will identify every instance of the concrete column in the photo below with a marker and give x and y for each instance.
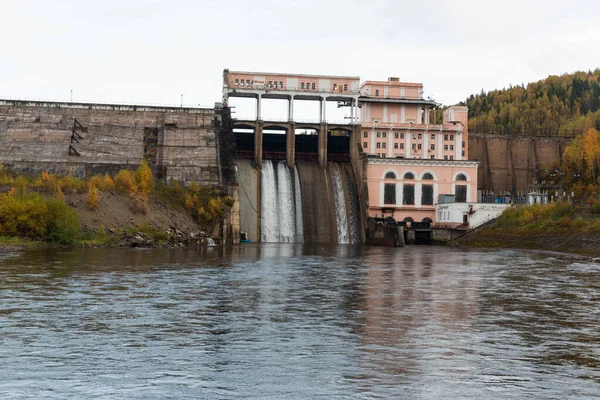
(418, 190)
(291, 109)
(390, 144)
(290, 145)
(408, 143)
(323, 110)
(352, 111)
(258, 143)
(458, 146)
(440, 145)
(426, 144)
(258, 105)
(323, 146)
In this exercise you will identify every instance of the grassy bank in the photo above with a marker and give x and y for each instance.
(556, 227)
(127, 208)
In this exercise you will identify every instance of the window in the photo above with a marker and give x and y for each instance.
(396, 135)
(432, 147)
(364, 145)
(463, 153)
(401, 146)
(420, 136)
(451, 137)
(408, 195)
(445, 147)
(414, 136)
(334, 87)
(427, 176)
(427, 195)
(414, 146)
(237, 82)
(383, 145)
(445, 137)
(452, 157)
(461, 177)
(383, 135)
(419, 146)
(377, 92)
(463, 144)
(345, 87)
(365, 134)
(390, 175)
(242, 83)
(460, 194)
(378, 145)
(402, 136)
(281, 84)
(275, 85)
(313, 86)
(445, 157)
(395, 145)
(378, 134)
(389, 193)
(432, 157)
(433, 136)
(301, 85)
(451, 147)
(409, 175)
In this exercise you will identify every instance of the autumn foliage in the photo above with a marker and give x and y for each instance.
(581, 165)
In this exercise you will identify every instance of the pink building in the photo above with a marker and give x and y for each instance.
(411, 163)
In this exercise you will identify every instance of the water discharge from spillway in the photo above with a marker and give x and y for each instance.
(284, 209)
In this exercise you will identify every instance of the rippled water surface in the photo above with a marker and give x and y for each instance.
(299, 322)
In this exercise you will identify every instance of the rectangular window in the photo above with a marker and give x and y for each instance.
(414, 136)
(365, 134)
(445, 137)
(401, 146)
(414, 146)
(345, 87)
(275, 85)
(427, 195)
(242, 83)
(301, 85)
(445, 147)
(460, 194)
(420, 136)
(396, 135)
(377, 92)
(452, 157)
(281, 84)
(313, 86)
(451, 147)
(383, 145)
(402, 136)
(463, 143)
(237, 82)
(383, 135)
(334, 87)
(432, 157)
(445, 157)
(364, 145)
(395, 145)
(463, 153)
(451, 137)
(389, 193)
(408, 195)
(378, 145)
(419, 146)
(433, 147)
(247, 82)
(378, 134)
(433, 136)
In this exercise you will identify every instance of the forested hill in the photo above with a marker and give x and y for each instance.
(566, 103)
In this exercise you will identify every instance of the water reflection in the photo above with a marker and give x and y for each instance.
(298, 321)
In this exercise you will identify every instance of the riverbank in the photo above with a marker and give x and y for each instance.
(556, 227)
(127, 210)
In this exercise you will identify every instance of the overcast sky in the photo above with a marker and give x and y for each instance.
(152, 51)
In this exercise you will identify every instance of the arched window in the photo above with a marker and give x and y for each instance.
(389, 193)
(390, 175)
(427, 220)
(409, 175)
(427, 176)
(461, 177)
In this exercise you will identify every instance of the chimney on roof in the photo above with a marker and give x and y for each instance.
(393, 79)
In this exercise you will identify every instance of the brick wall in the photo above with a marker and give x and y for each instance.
(35, 136)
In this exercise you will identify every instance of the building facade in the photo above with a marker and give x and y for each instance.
(411, 162)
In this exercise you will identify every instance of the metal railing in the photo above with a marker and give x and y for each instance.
(295, 90)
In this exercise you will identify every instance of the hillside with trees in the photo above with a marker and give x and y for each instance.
(569, 103)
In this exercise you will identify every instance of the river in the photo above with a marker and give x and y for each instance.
(284, 321)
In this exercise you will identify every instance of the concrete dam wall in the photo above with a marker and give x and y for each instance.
(180, 143)
(306, 204)
(513, 163)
